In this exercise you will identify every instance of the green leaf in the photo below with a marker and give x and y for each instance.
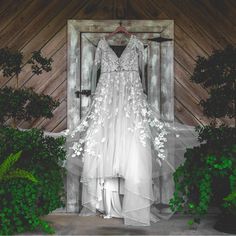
(190, 222)
(8, 163)
(19, 173)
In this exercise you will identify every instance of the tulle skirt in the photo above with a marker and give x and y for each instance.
(123, 145)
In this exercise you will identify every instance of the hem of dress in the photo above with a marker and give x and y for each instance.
(125, 213)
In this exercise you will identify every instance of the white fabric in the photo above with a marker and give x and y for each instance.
(123, 147)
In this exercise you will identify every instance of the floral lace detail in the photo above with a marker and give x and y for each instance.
(136, 108)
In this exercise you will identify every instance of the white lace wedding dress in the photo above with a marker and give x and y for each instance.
(124, 147)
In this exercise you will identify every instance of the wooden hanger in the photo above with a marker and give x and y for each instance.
(119, 29)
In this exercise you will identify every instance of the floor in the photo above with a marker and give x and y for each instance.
(72, 224)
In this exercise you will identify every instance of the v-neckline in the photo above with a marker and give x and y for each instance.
(130, 39)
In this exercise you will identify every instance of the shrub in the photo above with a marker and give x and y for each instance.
(208, 175)
(22, 202)
(218, 74)
(11, 62)
(25, 104)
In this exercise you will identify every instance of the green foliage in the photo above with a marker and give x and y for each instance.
(229, 202)
(39, 63)
(11, 62)
(25, 104)
(218, 73)
(208, 174)
(215, 136)
(19, 208)
(7, 174)
(23, 202)
(8, 163)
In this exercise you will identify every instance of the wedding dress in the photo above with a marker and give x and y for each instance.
(123, 145)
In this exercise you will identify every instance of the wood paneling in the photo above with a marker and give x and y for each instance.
(200, 27)
(9, 10)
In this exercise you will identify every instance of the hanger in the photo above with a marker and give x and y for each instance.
(119, 29)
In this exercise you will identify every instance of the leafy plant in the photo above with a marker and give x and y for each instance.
(22, 202)
(7, 174)
(25, 104)
(40, 63)
(208, 175)
(218, 73)
(203, 180)
(229, 202)
(19, 208)
(11, 62)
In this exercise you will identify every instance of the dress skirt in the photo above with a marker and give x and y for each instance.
(115, 149)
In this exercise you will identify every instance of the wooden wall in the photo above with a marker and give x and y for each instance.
(200, 27)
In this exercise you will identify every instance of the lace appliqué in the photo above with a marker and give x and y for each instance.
(122, 77)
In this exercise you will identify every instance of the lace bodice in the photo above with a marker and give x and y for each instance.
(131, 59)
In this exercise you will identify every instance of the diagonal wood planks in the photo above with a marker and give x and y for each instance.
(200, 27)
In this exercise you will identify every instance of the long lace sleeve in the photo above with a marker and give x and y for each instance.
(142, 66)
(96, 66)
